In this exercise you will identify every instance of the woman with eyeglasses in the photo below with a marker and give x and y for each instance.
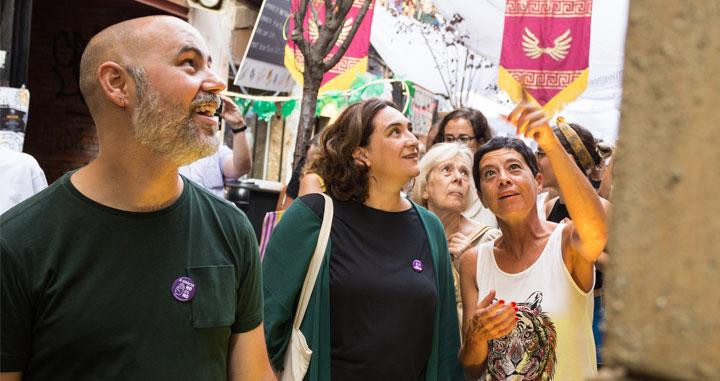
(470, 127)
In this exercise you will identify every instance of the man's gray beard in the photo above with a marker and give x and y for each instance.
(164, 129)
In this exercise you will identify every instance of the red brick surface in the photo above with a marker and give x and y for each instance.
(60, 133)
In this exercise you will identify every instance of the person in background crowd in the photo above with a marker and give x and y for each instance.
(531, 289)
(123, 268)
(20, 176)
(470, 127)
(311, 181)
(210, 172)
(464, 125)
(597, 173)
(383, 306)
(581, 145)
(430, 137)
(292, 190)
(606, 185)
(445, 187)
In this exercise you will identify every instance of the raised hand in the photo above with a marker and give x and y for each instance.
(531, 122)
(231, 112)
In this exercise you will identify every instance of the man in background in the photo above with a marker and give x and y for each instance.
(20, 176)
(212, 171)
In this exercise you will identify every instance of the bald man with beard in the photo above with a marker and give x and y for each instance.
(124, 269)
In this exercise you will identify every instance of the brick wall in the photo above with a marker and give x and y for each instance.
(60, 133)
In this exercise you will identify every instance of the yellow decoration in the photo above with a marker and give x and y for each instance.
(565, 96)
(340, 82)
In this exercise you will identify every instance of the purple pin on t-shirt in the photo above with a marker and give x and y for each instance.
(183, 289)
(417, 265)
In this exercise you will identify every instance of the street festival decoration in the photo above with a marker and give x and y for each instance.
(545, 51)
(364, 86)
(14, 104)
(355, 60)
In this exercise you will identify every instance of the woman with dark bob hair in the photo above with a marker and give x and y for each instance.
(527, 295)
(383, 305)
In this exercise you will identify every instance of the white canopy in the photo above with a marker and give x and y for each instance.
(406, 52)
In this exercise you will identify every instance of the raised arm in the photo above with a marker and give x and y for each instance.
(311, 183)
(587, 233)
(240, 162)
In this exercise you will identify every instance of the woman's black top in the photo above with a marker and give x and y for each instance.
(381, 304)
(558, 213)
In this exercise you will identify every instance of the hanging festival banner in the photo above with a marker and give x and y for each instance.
(355, 60)
(546, 51)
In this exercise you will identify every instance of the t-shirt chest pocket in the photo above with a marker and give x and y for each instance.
(215, 300)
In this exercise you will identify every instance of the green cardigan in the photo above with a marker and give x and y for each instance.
(285, 265)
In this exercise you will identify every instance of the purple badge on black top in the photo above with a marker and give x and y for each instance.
(183, 289)
(417, 265)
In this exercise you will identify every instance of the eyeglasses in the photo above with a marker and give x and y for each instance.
(464, 139)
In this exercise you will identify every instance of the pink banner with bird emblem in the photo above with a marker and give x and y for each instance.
(546, 51)
(355, 59)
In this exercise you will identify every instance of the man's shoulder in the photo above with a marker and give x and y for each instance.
(29, 223)
(34, 209)
(206, 199)
(17, 158)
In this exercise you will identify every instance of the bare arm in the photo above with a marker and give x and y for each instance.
(310, 183)
(284, 200)
(240, 162)
(472, 353)
(248, 358)
(482, 321)
(587, 233)
(10, 376)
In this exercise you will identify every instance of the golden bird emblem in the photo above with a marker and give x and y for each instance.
(531, 46)
(314, 31)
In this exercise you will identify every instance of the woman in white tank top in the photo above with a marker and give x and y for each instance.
(528, 294)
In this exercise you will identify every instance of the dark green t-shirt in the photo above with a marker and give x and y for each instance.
(86, 289)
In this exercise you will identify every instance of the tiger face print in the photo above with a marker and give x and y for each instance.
(528, 352)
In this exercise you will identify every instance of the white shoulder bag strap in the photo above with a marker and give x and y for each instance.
(315, 262)
(298, 353)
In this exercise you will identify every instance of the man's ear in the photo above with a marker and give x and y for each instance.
(114, 82)
(360, 156)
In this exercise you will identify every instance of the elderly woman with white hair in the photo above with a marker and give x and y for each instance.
(446, 188)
